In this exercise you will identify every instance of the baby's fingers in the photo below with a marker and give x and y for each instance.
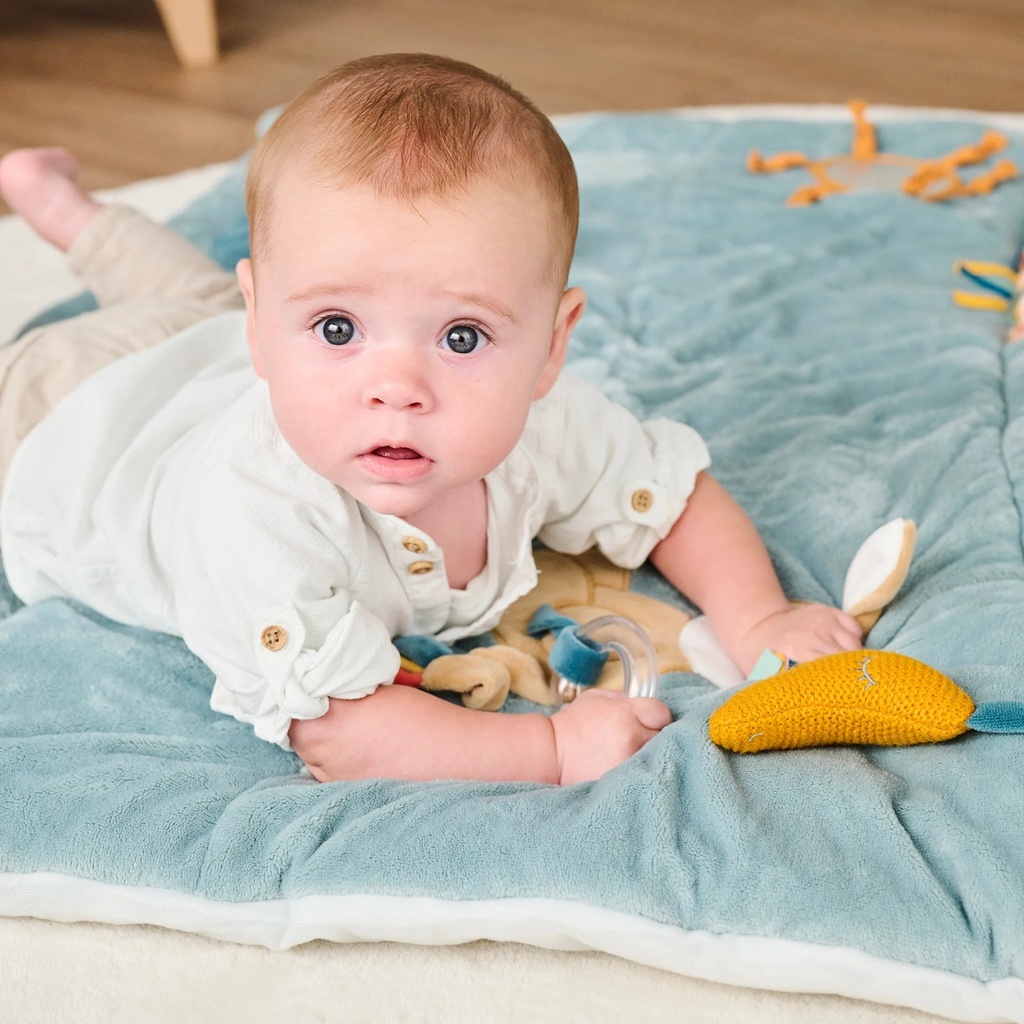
(650, 712)
(848, 632)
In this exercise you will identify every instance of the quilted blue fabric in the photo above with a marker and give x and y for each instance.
(819, 353)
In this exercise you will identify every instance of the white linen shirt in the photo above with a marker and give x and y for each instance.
(162, 494)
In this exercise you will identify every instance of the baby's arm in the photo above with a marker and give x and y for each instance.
(401, 732)
(715, 556)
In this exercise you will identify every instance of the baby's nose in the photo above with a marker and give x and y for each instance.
(400, 382)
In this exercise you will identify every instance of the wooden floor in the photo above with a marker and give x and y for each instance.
(100, 77)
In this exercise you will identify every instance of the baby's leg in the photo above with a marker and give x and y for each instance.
(120, 255)
(157, 281)
(39, 184)
(149, 282)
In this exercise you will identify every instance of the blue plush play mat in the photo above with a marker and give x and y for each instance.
(819, 352)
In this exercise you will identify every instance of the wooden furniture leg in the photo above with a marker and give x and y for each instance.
(192, 27)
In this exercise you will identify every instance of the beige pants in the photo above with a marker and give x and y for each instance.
(149, 283)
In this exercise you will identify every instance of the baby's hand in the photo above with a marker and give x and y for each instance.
(600, 729)
(801, 632)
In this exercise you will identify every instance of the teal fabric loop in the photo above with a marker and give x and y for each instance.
(573, 657)
(577, 659)
(998, 716)
(421, 650)
(547, 620)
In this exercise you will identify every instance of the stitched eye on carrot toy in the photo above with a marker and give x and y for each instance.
(855, 697)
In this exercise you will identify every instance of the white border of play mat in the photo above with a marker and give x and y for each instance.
(746, 961)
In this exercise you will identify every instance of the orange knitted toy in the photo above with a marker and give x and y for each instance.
(865, 167)
(860, 697)
(853, 697)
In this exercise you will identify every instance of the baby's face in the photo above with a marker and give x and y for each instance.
(403, 344)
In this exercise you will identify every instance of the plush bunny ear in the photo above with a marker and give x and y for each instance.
(878, 570)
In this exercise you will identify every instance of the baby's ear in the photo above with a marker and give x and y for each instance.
(570, 309)
(243, 269)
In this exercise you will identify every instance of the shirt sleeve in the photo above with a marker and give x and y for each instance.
(611, 480)
(266, 585)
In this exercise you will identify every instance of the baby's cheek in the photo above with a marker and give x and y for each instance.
(303, 425)
(504, 437)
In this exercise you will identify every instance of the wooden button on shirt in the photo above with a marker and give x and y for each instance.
(642, 500)
(414, 544)
(419, 568)
(274, 638)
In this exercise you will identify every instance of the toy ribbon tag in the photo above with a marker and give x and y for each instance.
(1002, 289)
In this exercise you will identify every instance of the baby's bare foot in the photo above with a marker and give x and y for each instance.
(39, 184)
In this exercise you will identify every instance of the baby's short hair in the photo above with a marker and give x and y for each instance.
(417, 125)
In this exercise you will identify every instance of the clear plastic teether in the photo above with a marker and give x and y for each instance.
(615, 634)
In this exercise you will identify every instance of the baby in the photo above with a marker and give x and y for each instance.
(371, 447)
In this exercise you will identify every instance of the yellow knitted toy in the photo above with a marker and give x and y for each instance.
(852, 697)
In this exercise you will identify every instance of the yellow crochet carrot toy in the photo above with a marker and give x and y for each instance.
(858, 697)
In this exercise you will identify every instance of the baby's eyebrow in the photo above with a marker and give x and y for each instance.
(498, 308)
(322, 291)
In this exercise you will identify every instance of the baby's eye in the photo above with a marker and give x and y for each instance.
(463, 339)
(335, 330)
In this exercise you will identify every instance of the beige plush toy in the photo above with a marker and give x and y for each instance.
(583, 588)
(588, 586)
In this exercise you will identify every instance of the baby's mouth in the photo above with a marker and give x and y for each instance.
(387, 452)
(395, 463)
